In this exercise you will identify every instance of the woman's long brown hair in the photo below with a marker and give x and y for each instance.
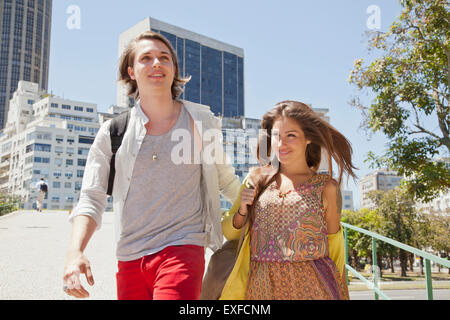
(317, 130)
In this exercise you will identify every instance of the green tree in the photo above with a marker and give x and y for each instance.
(360, 245)
(423, 234)
(439, 238)
(397, 209)
(353, 218)
(410, 82)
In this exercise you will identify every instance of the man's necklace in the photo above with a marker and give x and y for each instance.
(155, 154)
(157, 150)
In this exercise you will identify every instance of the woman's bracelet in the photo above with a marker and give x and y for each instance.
(239, 213)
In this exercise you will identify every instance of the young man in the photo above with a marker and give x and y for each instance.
(42, 189)
(165, 212)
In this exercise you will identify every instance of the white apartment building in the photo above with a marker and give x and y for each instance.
(347, 200)
(378, 180)
(46, 137)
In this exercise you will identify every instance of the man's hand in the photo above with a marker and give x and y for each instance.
(247, 198)
(76, 263)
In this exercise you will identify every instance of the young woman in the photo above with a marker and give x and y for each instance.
(292, 213)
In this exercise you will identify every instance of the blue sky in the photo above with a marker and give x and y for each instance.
(300, 50)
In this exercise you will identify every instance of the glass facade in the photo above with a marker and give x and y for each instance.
(25, 42)
(217, 77)
(192, 68)
(211, 87)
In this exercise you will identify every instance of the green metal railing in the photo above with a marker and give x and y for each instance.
(375, 236)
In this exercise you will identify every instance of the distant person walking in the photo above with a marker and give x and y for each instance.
(42, 188)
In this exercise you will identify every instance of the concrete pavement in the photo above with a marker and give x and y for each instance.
(33, 248)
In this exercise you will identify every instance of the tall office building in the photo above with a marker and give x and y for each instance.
(25, 46)
(216, 68)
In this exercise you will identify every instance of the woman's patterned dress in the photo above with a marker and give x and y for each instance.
(289, 246)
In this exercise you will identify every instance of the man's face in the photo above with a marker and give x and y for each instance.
(153, 66)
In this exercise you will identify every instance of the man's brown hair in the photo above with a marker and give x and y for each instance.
(127, 60)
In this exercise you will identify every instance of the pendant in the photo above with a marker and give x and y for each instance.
(155, 157)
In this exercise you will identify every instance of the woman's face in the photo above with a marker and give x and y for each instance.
(288, 141)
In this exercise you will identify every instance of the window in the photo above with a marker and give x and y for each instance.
(82, 162)
(69, 162)
(70, 140)
(90, 109)
(42, 147)
(86, 140)
(30, 101)
(59, 149)
(77, 186)
(56, 184)
(45, 172)
(80, 128)
(68, 185)
(54, 105)
(55, 198)
(57, 173)
(78, 108)
(80, 173)
(69, 174)
(41, 160)
(43, 136)
(70, 150)
(66, 107)
(58, 161)
(70, 199)
(83, 151)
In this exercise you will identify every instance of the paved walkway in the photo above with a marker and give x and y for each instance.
(33, 247)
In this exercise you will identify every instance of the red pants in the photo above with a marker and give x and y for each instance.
(175, 273)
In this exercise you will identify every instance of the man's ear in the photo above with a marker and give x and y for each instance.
(131, 73)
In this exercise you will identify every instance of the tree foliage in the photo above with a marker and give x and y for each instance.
(411, 85)
(396, 217)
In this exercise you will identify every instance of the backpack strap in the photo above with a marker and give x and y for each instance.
(117, 130)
